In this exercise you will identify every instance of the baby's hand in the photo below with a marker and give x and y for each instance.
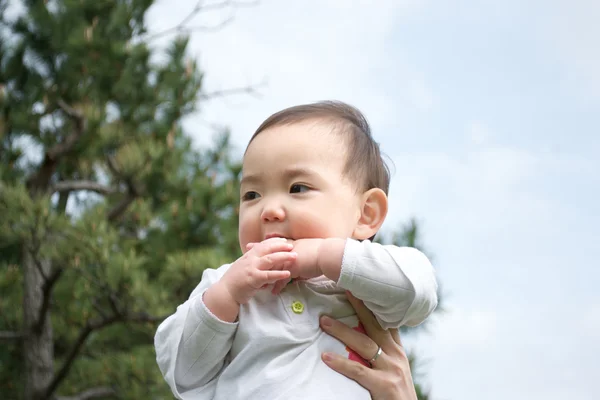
(306, 265)
(260, 266)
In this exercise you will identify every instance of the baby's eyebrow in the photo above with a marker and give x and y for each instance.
(288, 174)
(249, 179)
(295, 172)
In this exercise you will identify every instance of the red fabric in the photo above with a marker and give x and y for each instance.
(352, 355)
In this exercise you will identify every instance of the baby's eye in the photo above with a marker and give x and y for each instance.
(299, 188)
(250, 196)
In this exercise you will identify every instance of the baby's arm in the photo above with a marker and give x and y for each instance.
(397, 283)
(191, 344)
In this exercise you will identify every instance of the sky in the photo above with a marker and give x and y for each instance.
(490, 112)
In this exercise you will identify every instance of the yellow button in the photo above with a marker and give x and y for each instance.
(297, 307)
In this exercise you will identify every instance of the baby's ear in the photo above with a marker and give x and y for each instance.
(374, 207)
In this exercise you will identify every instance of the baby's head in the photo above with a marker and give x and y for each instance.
(313, 171)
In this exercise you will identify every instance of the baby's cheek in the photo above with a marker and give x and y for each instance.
(313, 225)
(248, 233)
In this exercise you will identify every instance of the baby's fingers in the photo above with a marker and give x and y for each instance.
(279, 286)
(270, 246)
(262, 278)
(276, 260)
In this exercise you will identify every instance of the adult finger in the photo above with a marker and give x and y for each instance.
(374, 330)
(364, 376)
(396, 336)
(360, 343)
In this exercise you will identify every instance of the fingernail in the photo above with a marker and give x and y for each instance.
(328, 356)
(326, 321)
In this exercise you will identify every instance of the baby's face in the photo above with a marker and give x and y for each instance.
(293, 186)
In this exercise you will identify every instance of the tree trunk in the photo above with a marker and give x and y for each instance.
(38, 346)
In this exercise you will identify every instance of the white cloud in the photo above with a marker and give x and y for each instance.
(507, 353)
(517, 324)
(478, 132)
(421, 95)
(478, 178)
(476, 327)
(307, 51)
(572, 30)
(591, 323)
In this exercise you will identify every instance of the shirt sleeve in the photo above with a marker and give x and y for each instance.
(191, 345)
(397, 284)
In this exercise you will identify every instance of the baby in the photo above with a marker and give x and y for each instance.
(313, 195)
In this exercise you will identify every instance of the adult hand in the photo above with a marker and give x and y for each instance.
(389, 376)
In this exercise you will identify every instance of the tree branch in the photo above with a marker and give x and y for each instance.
(120, 208)
(39, 266)
(251, 90)
(90, 394)
(7, 335)
(92, 325)
(68, 186)
(113, 300)
(98, 309)
(66, 146)
(112, 165)
(81, 338)
(132, 192)
(39, 181)
(34, 249)
(199, 7)
(63, 200)
(143, 317)
(47, 294)
(207, 28)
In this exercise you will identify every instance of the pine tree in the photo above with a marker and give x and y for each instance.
(103, 234)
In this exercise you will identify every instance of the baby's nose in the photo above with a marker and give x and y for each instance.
(273, 212)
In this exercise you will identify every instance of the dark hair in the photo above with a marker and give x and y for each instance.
(365, 163)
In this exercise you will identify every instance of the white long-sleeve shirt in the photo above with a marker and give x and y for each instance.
(274, 349)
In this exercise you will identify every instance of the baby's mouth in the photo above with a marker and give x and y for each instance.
(276, 235)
